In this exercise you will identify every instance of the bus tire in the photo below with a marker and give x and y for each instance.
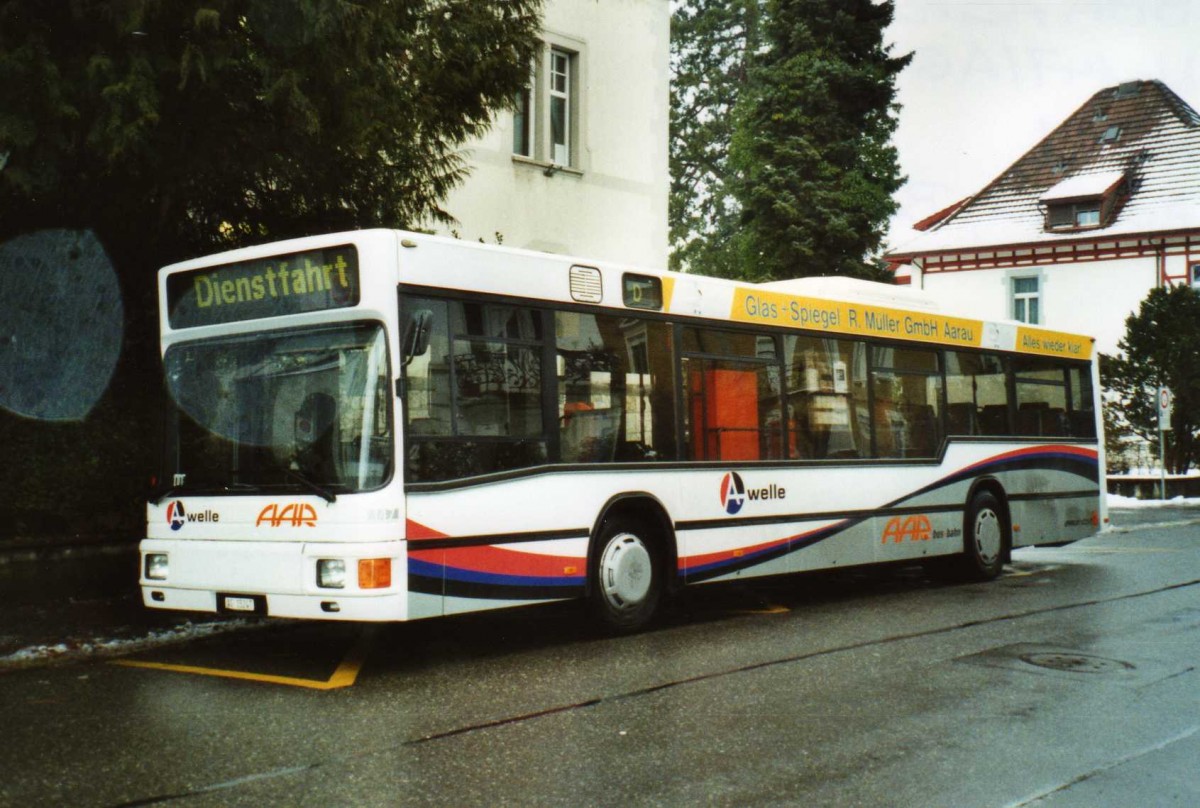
(985, 538)
(625, 576)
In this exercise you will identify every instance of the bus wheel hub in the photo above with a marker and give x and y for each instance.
(625, 571)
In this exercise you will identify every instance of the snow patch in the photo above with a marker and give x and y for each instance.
(1117, 501)
(76, 649)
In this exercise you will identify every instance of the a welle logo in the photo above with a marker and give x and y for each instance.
(177, 516)
(734, 493)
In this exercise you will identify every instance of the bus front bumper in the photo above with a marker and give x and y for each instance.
(274, 579)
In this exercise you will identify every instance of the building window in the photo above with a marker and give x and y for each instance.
(546, 113)
(1026, 297)
(1195, 273)
(560, 107)
(1078, 215)
(524, 116)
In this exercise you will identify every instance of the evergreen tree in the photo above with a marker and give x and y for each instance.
(1161, 346)
(173, 128)
(711, 45)
(815, 172)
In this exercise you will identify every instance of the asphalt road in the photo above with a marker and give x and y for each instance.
(1070, 682)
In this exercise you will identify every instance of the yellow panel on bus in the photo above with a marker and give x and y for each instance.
(817, 314)
(1053, 343)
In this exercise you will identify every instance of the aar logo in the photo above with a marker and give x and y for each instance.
(912, 528)
(733, 493)
(175, 515)
(295, 514)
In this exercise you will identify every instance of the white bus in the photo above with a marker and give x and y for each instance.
(382, 425)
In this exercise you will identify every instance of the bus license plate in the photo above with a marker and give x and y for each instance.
(243, 604)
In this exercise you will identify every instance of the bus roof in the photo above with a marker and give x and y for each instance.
(836, 305)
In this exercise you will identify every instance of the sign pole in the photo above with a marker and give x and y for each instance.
(1162, 461)
(1164, 423)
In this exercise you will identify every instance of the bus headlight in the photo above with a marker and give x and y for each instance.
(157, 566)
(331, 573)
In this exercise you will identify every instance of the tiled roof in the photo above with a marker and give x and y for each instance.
(1141, 129)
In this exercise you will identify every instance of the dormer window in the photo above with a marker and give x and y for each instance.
(1073, 216)
(1084, 201)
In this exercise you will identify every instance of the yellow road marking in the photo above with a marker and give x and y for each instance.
(764, 610)
(345, 675)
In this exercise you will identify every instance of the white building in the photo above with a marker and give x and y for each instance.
(582, 168)
(1075, 233)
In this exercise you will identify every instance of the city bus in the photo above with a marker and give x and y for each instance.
(385, 426)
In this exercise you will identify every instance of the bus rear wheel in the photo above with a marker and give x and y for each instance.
(985, 538)
(985, 544)
(626, 577)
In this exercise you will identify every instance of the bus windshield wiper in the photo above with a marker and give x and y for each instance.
(159, 495)
(318, 489)
(201, 490)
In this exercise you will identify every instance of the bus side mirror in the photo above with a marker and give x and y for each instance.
(416, 334)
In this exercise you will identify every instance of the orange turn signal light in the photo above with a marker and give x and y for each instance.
(374, 573)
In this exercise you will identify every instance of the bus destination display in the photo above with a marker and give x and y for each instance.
(268, 287)
(642, 291)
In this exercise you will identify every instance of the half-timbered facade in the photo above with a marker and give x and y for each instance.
(1076, 232)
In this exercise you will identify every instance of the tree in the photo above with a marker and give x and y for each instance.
(815, 171)
(172, 128)
(781, 117)
(712, 42)
(1161, 346)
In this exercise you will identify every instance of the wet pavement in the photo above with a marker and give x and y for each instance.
(1070, 681)
(73, 601)
(70, 602)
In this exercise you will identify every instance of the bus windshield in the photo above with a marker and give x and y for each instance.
(294, 409)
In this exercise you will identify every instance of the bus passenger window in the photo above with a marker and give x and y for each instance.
(473, 400)
(907, 389)
(1041, 388)
(976, 394)
(614, 392)
(732, 398)
(1083, 407)
(827, 398)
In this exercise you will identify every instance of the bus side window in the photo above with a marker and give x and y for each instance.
(1041, 389)
(907, 387)
(976, 394)
(590, 387)
(732, 402)
(826, 387)
(1083, 409)
(613, 389)
(473, 399)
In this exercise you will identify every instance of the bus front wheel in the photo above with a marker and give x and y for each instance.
(626, 577)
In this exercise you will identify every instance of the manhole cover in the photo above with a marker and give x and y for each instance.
(1075, 663)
